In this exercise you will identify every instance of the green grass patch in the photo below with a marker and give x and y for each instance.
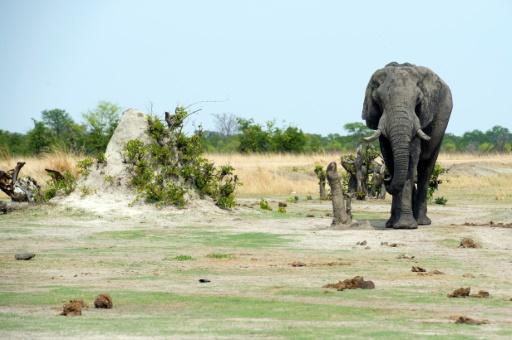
(219, 256)
(449, 242)
(183, 258)
(146, 313)
(241, 240)
(192, 235)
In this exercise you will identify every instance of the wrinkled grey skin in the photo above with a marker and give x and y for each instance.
(409, 107)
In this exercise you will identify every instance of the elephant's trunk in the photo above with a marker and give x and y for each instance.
(399, 134)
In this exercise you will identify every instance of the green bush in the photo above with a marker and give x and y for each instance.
(441, 200)
(293, 199)
(84, 166)
(264, 205)
(64, 185)
(172, 166)
(435, 180)
(183, 258)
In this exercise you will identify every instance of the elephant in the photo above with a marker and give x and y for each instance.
(409, 107)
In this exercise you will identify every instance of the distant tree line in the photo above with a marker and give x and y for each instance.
(248, 136)
(56, 130)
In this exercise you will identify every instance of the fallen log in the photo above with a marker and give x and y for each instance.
(22, 189)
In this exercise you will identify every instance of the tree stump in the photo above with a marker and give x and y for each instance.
(339, 210)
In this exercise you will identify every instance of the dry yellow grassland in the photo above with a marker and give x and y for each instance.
(287, 174)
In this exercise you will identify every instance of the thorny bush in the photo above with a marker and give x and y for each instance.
(171, 168)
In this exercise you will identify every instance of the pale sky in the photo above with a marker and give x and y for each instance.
(303, 62)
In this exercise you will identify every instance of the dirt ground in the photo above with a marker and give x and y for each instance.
(265, 270)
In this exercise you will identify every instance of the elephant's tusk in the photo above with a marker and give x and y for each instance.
(373, 137)
(423, 135)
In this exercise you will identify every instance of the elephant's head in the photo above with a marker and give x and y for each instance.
(399, 103)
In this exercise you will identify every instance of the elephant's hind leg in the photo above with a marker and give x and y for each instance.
(425, 168)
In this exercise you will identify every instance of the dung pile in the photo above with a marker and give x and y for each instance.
(353, 283)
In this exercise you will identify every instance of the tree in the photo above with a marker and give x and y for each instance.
(226, 123)
(101, 123)
(40, 138)
(499, 136)
(253, 138)
(57, 120)
(13, 143)
(66, 133)
(357, 129)
(290, 140)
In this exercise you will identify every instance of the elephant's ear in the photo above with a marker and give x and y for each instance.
(371, 109)
(435, 95)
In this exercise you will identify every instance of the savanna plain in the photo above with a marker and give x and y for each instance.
(266, 269)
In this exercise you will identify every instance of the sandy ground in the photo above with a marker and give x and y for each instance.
(150, 261)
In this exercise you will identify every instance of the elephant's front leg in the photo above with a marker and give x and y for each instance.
(395, 210)
(406, 218)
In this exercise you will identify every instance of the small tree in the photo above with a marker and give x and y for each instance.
(321, 175)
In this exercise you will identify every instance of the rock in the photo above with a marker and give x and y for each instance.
(297, 264)
(362, 243)
(103, 301)
(416, 269)
(24, 256)
(405, 256)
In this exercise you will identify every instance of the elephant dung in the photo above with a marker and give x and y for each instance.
(353, 283)
(103, 301)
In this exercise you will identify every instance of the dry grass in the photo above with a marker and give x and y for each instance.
(287, 174)
(35, 166)
(275, 174)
